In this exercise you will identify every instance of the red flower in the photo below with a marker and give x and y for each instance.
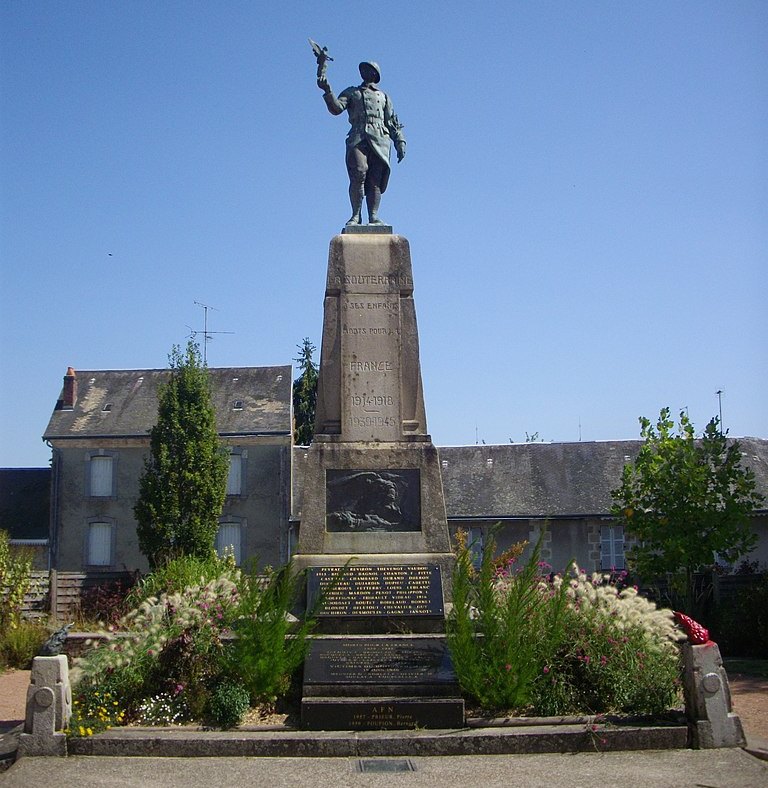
(697, 634)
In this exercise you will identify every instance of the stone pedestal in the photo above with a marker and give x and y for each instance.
(708, 699)
(372, 487)
(373, 500)
(49, 706)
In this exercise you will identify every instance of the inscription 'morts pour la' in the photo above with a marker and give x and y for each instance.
(366, 591)
(373, 500)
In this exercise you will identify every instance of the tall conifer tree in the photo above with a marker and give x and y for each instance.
(183, 486)
(305, 395)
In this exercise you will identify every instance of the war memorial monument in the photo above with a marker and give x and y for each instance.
(373, 496)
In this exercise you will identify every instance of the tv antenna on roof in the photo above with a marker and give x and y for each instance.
(207, 335)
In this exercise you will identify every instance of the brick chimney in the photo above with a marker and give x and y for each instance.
(69, 397)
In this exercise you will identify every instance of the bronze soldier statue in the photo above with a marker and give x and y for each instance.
(374, 127)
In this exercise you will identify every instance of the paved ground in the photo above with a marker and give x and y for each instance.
(649, 769)
(703, 769)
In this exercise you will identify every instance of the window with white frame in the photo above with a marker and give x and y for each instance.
(475, 542)
(229, 539)
(236, 473)
(101, 475)
(99, 545)
(611, 547)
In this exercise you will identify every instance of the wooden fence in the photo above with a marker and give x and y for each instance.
(57, 594)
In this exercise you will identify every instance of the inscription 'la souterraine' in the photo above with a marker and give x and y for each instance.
(374, 279)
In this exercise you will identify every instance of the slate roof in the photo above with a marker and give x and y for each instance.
(123, 403)
(550, 479)
(540, 480)
(25, 495)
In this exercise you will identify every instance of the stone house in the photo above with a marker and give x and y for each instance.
(99, 437)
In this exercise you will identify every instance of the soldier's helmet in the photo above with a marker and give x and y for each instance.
(374, 66)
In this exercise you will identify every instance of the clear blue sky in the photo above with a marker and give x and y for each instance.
(585, 194)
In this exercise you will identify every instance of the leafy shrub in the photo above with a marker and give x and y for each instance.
(528, 641)
(105, 603)
(15, 581)
(171, 643)
(228, 704)
(179, 574)
(618, 653)
(19, 645)
(175, 645)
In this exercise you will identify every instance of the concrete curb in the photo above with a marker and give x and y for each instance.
(185, 742)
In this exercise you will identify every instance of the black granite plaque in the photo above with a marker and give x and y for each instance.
(390, 591)
(379, 661)
(328, 714)
(372, 500)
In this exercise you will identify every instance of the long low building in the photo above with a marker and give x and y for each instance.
(99, 438)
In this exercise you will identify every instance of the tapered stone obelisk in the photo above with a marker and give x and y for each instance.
(372, 485)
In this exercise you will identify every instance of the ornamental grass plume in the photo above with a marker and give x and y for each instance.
(525, 640)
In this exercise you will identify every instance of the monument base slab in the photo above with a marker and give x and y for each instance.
(385, 713)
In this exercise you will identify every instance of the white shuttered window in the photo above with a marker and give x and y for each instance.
(611, 547)
(99, 544)
(228, 540)
(235, 476)
(101, 476)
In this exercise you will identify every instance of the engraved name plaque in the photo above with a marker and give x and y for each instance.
(366, 591)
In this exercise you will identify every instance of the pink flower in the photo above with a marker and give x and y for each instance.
(546, 669)
(508, 667)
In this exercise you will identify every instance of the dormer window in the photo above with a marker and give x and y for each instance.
(107, 407)
(237, 404)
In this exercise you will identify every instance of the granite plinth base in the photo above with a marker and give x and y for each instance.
(384, 713)
(367, 229)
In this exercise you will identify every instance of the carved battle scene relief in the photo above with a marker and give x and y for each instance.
(373, 500)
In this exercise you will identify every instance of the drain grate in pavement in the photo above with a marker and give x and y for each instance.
(385, 765)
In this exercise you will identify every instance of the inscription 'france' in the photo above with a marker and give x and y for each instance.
(370, 366)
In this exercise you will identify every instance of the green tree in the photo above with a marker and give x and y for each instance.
(685, 499)
(183, 486)
(305, 395)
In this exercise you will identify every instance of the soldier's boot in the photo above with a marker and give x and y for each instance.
(373, 200)
(356, 194)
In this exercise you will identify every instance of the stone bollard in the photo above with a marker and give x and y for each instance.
(49, 707)
(708, 699)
